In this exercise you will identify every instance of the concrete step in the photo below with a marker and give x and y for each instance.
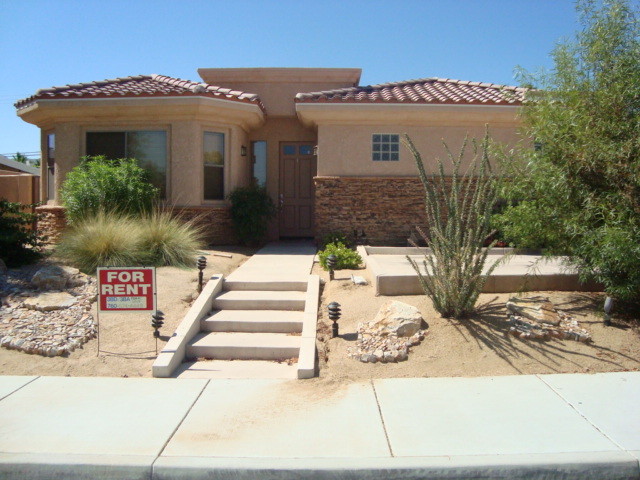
(260, 300)
(265, 285)
(244, 346)
(237, 369)
(266, 321)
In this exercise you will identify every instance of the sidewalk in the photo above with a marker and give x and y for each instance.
(541, 427)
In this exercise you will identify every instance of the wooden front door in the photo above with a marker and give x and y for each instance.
(297, 169)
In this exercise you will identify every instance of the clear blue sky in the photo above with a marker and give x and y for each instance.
(52, 43)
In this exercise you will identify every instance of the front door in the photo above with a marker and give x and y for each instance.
(297, 169)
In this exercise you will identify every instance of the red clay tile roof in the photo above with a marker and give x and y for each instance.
(140, 86)
(424, 90)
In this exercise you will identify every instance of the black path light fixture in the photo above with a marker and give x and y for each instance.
(608, 305)
(201, 263)
(332, 261)
(334, 315)
(157, 320)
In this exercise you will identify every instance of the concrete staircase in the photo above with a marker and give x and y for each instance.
(252, 329)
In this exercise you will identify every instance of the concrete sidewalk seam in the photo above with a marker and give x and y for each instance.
(178, 425)
(384, 427)
(582, 415)
(20, 387)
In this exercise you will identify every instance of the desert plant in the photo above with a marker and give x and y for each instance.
(458, 214)
(100, 184)
(251, 211)
(335, 237)
(107, 239)
(166, 240)
(347, 259)
(20, 242)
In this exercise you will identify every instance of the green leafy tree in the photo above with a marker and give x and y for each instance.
(102, 185)
(578, 191)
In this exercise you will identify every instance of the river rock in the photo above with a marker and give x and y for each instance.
(399, 318)
(539, 309)
(46, 302)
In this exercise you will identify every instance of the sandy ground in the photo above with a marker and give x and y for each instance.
(129, 337)
(476, 347)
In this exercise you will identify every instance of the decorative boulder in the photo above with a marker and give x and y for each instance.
(399, 318)
(46, 302)
(56, 277)
(539, 309)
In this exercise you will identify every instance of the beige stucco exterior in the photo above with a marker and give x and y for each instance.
(341, 130)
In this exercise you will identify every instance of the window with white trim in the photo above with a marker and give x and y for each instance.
(385, 147)
(213, 164)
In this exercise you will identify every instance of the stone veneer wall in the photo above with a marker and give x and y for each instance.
(216, 222)
(386, 208)
(51, 222)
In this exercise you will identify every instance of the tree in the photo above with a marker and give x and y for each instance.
(578, 191)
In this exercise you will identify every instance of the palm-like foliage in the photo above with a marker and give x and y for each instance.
(458, 213)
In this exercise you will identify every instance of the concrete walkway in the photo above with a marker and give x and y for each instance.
(277, 262)
(540, 427)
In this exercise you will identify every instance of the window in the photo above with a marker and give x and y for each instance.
(213, 162)
(148, 147)
(259, 149)
(51, 166)
(385, 147)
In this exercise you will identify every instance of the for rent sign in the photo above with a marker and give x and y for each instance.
(126, 288)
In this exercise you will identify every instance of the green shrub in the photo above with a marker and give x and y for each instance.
(251, 211)
(107, 239)
(347, 259)
(99, 184)
(111, 239)
(20, 243)
(335, 237)
(458, 211)
(166, 240)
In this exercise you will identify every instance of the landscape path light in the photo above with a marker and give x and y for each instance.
(201, 263)
(334, 315)
(332, 261)
(608, 305)
(157, 320)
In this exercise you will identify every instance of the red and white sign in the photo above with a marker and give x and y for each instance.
(126, 288)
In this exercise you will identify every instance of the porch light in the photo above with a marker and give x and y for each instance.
(334, 315)
(332, 260)
(201, 263)
(315, 150)
(243, 151)
(608, 305)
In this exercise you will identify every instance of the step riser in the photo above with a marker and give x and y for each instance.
(251, 327)
(241, 353)
(224, 304)
(266, 286)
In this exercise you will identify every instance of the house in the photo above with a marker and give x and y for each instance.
(327, 149)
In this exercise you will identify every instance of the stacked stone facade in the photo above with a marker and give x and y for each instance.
(51, 222)
(216, 223)
(387, 210)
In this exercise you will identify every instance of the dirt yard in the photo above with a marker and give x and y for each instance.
(477, 347)
(480, 346)
(129, 337)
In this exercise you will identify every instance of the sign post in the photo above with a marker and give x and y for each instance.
(123, 289)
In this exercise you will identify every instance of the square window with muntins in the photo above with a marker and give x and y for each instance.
(385, 147)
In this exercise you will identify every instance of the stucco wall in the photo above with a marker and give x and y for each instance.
(345, 150)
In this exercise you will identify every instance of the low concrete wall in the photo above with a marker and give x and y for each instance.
(174, 352)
